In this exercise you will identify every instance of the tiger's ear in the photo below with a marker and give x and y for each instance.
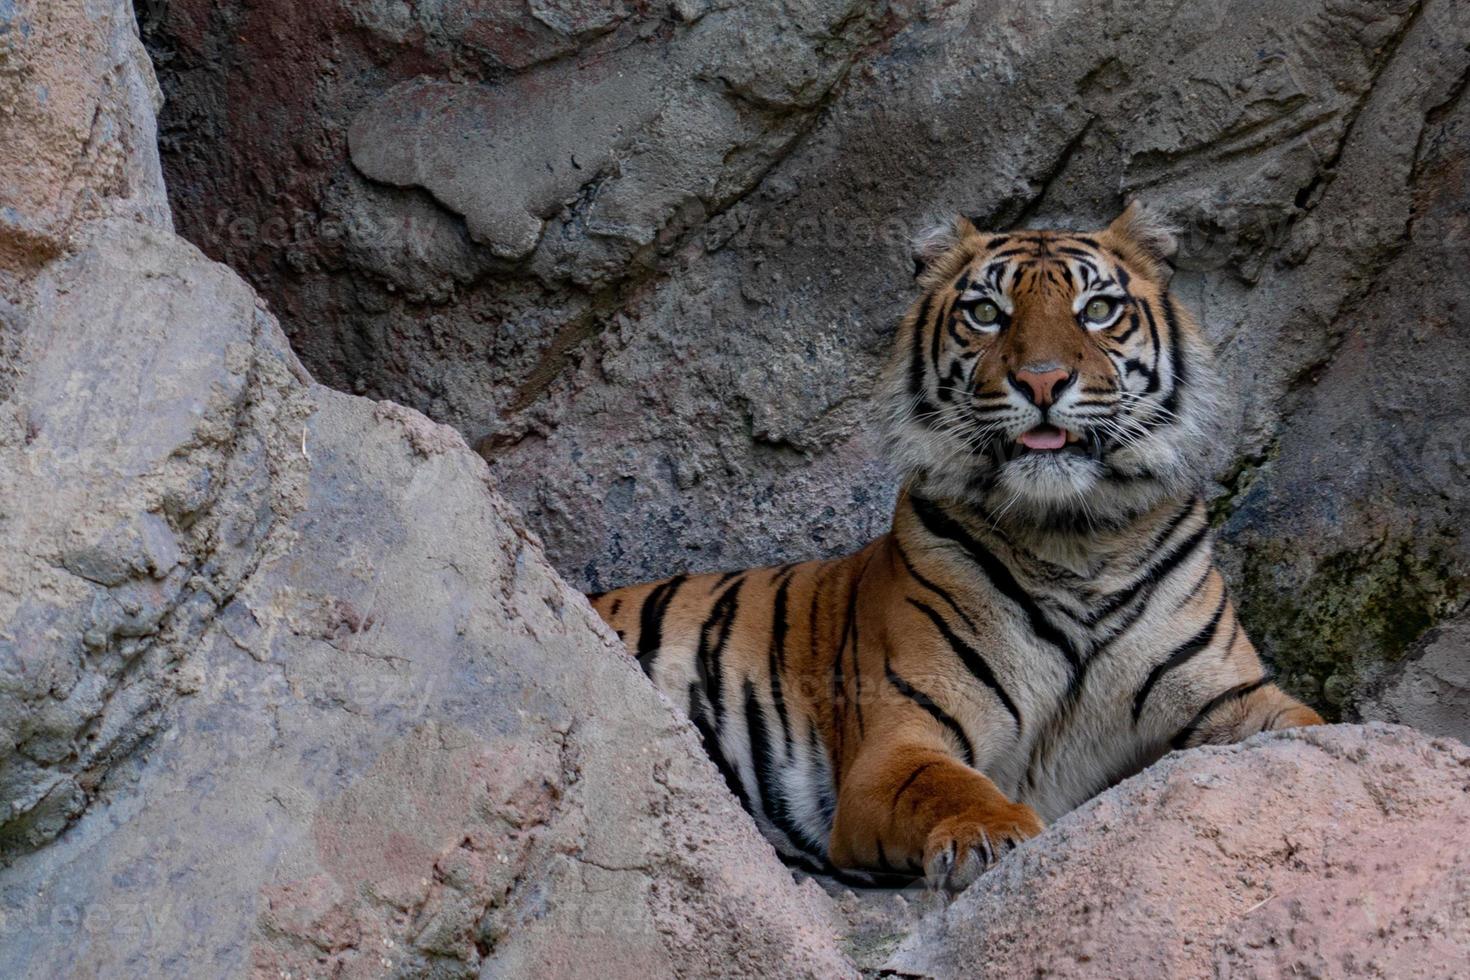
(937, 241)
(1143, 235)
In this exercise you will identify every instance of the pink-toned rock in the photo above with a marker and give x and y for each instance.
(77, 133)
(1325, 852)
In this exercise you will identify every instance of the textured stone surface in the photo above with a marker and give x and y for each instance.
(1317, 852)
(77, 134)
(287, 688)
(1430, 688)
(666, 354)
(134, 455)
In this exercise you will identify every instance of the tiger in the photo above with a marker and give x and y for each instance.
(1044, 617)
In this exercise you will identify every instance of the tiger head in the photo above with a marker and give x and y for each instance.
(1050, 377)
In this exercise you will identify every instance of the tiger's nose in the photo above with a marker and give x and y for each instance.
(1041, 387)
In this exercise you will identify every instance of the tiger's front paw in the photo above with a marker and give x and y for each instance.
(961, 847)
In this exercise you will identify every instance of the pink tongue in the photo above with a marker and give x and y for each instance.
(1044, 438)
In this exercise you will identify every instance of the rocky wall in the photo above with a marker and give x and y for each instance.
(647, 256)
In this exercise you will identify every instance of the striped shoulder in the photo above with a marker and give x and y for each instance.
(646, 615)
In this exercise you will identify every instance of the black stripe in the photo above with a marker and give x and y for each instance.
(935, 711)
(711, 674)
(926, 583)
(764, 763)
(950, 383)
(954, 335)
(1133, 324)
(1133, 364)
(945, 312)
(883, 862)
(1153, 332)
(851, 878)
(904, 786)
(1116, 475)
(970, 657)
(720, 582)
(776, 659)
(1234, 635)
(651, 621)
(1190, 648)
(1159, 570)
(711, 743)
(916, 364)
(826, 801)
(1196, 587)
(1176, 353)
(1233, 694)
(941, 525)
(1088, 265)
(887, 867)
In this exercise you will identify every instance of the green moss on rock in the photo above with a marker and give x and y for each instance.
(1355, 611)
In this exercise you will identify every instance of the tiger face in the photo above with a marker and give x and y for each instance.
(1050, 377)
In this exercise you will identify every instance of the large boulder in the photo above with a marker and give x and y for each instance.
(286, 686)
(1324, 852)
(649, 256)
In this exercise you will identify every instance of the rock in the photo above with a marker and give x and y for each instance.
(1430, 688)
(1317, 852)
(620, 149)
(667, 354)
(135, 458)
(77, 133)
(287, 687)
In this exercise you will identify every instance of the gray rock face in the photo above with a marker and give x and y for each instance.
(1429, 689)
(287, 688)
(134, 463)
(650, 258)
(667, 125)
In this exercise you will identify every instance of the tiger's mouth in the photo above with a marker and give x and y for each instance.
(1049, 440)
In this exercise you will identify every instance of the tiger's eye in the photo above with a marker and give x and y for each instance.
(985, 312)
(1099, 309)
